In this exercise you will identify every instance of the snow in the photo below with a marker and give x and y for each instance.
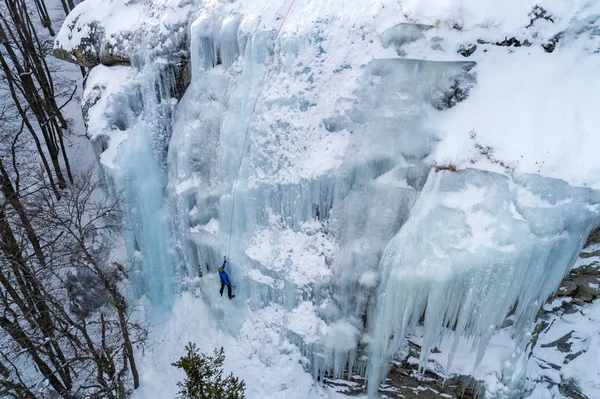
(368, 279)
(115, 16)
(300, 256)
(304, 321)
(270, 365)
(101, 85)
(256, 275)
(585, 368)
(592, 256)
(100, 31)
(514, 107)
(527, 128)
(211, 227)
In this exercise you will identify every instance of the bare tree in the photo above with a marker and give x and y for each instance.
(52, 253)
(85, 221)
(65, 326)
(29, 79)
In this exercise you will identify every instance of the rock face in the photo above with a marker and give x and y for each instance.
(587, 285)
(583, 282)
(94, 48)
(406, 381)
(93, 39)
(96, 33)
(563, 344)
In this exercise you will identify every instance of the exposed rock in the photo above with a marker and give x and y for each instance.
(539, 13)
(510, 42)
(571, 356)
(570, 389)
(406, 381)
(562, 344)
(92, 49)
(591, 254)
(458, 91)
(551, 45)
(582, 284)
(593, 238)
(507, 323)
(577, 289)
(588, 287)
(577, 302)
(466, 51)
(89, 39)
(567, 287)
(592, 270)
(539, 327)
(570, 308)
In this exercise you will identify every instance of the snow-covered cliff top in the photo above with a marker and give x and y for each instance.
(534, 111)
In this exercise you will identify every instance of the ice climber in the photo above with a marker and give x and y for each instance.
(225, 280)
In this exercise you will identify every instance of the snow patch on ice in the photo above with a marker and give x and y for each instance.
(304, 321)
(301, 256)
(540, 101)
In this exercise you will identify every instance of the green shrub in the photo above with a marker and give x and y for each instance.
(204, 377)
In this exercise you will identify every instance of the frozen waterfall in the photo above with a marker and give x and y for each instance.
(131, 142)
(307, 234)
(344, 223)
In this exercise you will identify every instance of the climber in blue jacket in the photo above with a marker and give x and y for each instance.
(225, 280)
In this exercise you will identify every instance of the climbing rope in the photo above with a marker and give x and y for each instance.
(250, 120)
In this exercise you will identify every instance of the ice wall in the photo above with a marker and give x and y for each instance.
(129, 113)
(324, 183)
(476, 245)
(141, 175)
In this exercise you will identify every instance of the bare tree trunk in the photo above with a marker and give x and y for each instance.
(10, 196)
(28, 124)
(40, 5)
(29, 286)
(31, 68)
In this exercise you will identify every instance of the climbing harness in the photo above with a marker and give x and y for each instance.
(250, 120)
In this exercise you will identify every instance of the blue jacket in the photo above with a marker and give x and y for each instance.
(223, 275)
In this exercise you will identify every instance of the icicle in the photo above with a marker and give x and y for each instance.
(476, 244)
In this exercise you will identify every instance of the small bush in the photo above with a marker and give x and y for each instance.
(487, 151)
(204, 377)
(539, 13)
(451, 167)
